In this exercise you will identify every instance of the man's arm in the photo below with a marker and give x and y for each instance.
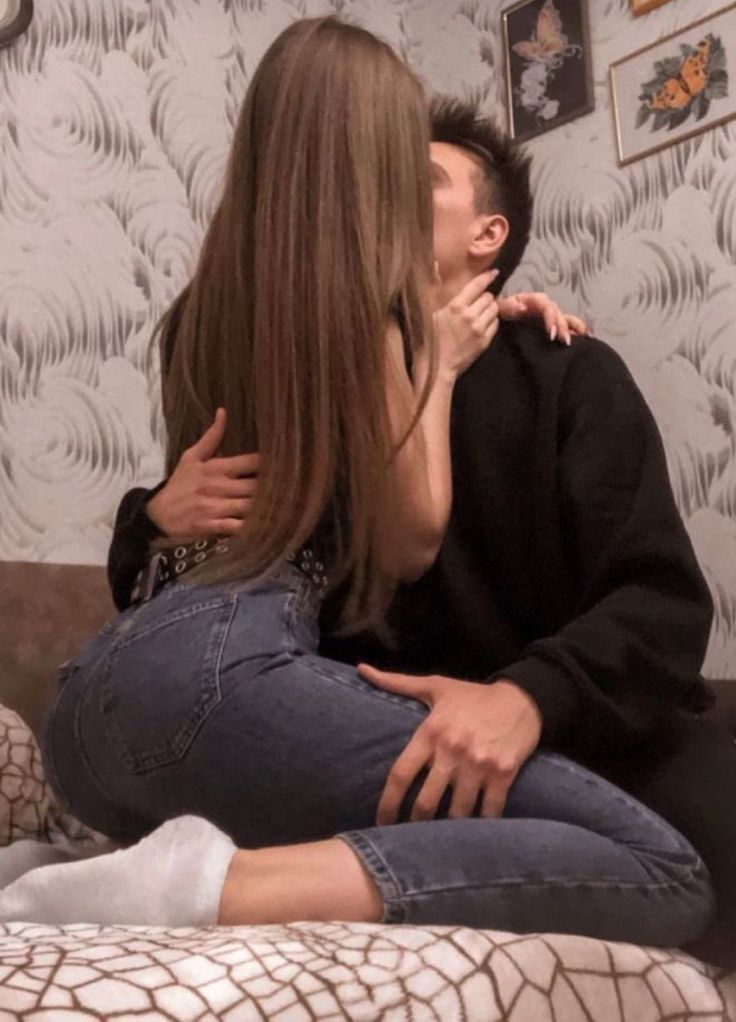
(132, 534)
(635, 645)
(204, 496)
(630, 652)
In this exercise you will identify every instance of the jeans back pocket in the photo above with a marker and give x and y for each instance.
(161, 679)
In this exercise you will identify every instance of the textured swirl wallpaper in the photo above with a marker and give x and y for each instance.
(115, 121)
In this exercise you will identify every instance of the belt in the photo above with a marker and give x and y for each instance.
(166, 566)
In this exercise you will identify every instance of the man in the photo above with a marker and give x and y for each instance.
(566, 585)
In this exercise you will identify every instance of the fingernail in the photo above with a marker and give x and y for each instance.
(553, 333)
(494, 274)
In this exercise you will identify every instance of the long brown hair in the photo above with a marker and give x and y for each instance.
(323, 232)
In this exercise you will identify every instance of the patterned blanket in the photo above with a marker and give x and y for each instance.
(317, 971)
(333, 971)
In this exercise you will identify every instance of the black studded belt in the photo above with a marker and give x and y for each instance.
(167, 565)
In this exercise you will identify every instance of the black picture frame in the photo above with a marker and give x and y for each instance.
(549, 73)
(18, 23)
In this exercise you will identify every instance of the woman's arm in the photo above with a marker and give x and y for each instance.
(418, 490)
(418, 494)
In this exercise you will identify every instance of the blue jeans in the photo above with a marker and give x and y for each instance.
(213, 700)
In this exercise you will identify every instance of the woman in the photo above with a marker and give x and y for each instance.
(210, 698)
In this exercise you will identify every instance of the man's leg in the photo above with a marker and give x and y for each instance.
(689, 778)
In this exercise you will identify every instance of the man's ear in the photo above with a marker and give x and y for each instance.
(490, 237)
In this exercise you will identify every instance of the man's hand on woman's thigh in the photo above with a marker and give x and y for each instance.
(475, 740)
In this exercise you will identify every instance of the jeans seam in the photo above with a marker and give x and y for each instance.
(652, 818)
(381, 873)
(49, 760)
(173, 617)
(77, 732)
(374, 692)
(546, 884)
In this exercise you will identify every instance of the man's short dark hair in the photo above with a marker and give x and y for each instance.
(503, 179)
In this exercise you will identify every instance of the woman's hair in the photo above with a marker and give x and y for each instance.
(323, 232)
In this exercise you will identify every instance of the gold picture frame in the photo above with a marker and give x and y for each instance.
(639, 7)
(676, 87)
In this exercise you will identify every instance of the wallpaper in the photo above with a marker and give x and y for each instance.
(115, 122)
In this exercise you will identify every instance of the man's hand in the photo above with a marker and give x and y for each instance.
(206, 495)
(538, 304)
(475, 740)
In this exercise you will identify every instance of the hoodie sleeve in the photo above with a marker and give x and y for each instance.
(133, 531)
(632, 650)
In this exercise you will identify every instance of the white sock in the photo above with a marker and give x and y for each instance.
(21, 856)
(172, 877)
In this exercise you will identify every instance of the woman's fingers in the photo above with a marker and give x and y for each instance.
(476, 287)
(556, 324)
(486, 301)
(549, 316)
(576, 324)
(563, 330)
(487, 323)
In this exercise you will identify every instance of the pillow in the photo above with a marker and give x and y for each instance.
(28, 807)
(25, 797)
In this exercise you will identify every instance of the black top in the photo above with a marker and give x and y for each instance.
(566, 566)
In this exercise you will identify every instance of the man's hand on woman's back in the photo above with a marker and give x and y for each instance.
(206, 495)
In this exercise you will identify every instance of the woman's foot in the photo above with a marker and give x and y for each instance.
(172, 877)
(23, 856)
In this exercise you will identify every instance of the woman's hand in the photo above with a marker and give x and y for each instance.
(537, 304)
(206, 495)
(475, 740)
(465, 327)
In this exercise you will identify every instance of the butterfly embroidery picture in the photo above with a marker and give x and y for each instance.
(549, 45)
(543, 54)
(684, 86)
(689, 81)
(549, 79)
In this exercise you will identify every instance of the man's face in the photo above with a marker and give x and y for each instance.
(456, 220)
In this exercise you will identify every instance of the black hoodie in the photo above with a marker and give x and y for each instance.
(566, 566)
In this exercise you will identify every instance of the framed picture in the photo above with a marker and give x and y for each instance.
(15, 17)
(642, 6)
(549, 78)
(675, 88)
